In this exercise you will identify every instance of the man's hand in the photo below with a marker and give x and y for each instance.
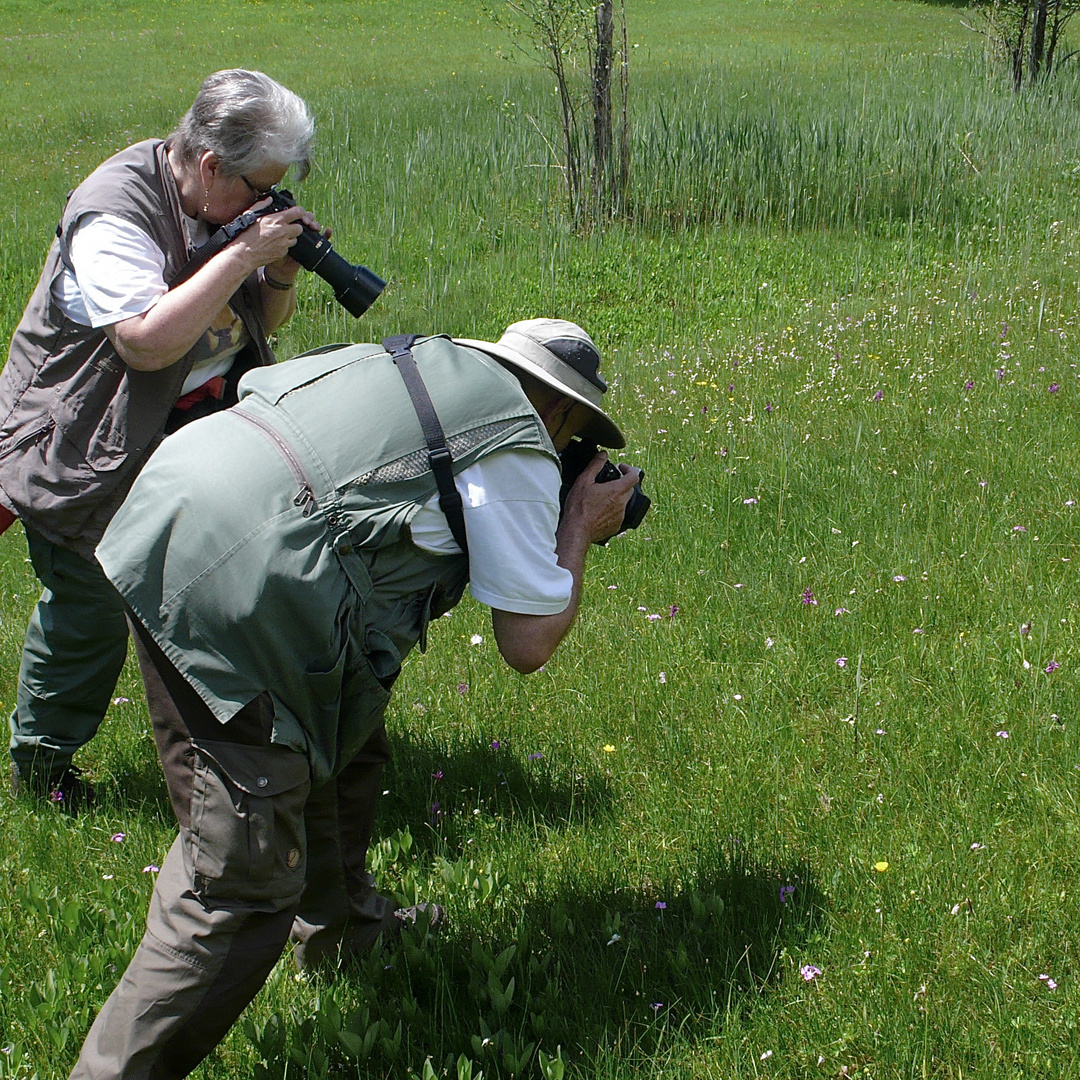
(598, 509)
(592, 512)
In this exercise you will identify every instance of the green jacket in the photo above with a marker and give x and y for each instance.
(267, 547)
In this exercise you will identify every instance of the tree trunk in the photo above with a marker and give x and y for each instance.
(1038, 40)
(1060, 14)
(601, 102)
(624, 120)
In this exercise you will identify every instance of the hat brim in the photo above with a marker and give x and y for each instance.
(600, 427)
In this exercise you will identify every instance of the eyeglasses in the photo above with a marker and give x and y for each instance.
(255, 191)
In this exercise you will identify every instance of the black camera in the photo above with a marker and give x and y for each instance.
(356, 288)
(578, 454)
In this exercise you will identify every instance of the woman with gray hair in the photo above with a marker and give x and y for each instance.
(116, 349)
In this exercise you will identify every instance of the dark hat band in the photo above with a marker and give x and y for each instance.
(581, 356)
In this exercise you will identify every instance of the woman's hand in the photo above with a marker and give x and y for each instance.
(284, 268)
(269, 239)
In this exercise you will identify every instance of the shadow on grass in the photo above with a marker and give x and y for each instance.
(432, 785)
(592, 968)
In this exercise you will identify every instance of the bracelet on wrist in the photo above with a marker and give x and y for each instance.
(281, 286)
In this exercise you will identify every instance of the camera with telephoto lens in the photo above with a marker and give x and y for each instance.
(356, 288)
(578, 454)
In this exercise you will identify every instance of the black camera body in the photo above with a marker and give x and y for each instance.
(356, 288)
(578, 454)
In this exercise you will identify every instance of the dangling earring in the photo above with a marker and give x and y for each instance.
(206, 200)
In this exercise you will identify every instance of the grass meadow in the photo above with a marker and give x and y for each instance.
(799, 795)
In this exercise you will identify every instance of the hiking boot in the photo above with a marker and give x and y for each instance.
(328, 947)
(66, 788)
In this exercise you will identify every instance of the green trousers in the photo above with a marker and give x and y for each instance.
(74, 649)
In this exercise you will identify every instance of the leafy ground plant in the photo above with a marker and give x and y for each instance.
(799, 798)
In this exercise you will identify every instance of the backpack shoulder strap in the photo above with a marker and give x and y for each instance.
(439, 457)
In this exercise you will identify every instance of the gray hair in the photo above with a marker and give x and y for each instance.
(248, 121)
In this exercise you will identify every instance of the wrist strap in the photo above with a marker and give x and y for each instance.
(439, 457)
(216, 242)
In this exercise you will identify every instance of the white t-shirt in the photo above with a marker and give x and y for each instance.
(511, 508)
(118, 272)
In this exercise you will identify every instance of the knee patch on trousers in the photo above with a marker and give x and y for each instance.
(246, 844)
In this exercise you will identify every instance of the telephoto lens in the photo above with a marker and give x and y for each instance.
(356, 288)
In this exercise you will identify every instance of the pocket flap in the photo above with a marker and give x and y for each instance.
(263, 771)
(382, 654)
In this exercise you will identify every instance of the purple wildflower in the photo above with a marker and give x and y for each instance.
(1052, 667)
(969, 385)
(672, 611)
(1025, 629)
(1001, 734)
(768, 406)
(841, 661)
(660, 905)
(786, 892)
(652, 618)
(1019, 528)
(809, 972)
(495, 744)
(536, 756)
(437, 774)
(57, 796)
(462, 687)
(151, 869)
(808, 597)
(1000, 373)
(879, 395)
(1053, 388)
(118, 837)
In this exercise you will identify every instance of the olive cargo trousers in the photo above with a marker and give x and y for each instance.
(258, 848)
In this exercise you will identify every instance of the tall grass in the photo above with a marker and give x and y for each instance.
(841, 325)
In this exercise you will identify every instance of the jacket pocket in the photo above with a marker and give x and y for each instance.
(246, 845)
(347, 702)
(91, 413)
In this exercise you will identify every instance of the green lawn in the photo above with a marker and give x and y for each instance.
(798, 797)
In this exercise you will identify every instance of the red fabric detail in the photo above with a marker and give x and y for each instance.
(214, 388)
(7, 519)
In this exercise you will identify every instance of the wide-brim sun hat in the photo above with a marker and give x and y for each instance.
(561, 355)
